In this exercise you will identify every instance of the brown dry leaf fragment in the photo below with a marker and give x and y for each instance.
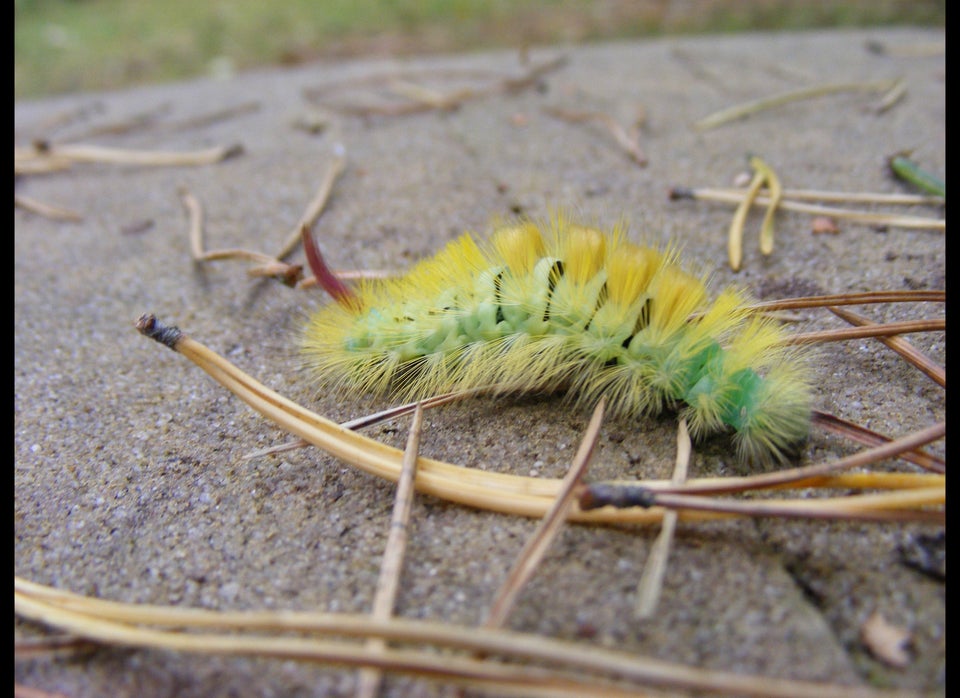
(886, 642)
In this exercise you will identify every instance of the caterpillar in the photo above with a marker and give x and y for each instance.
(563, 306)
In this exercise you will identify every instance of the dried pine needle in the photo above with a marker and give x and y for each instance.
(62, 156)
(651, 580)
(628, 141)
(389, 581)
(318, 203)
(886, 507)
(741, 111)
(290, 274)
(763, 175)
(776, 194)
(417, 97)
(900, 345)
(906, 169)
(737, 196)
(501, 492)
(585, 667)
(537, 545)
(868, 297)
(872, 330)
(862, 435)
(57, 213)
(860, 197)
(735, 236)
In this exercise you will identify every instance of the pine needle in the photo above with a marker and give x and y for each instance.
(63, 156)
(651, 580)
(388, 583)
(900, 345)
(862, 435)
(512, 494)
(586, 670)
(56, 213)
(738, 196)
(538, 544)
(318, 203)
(741, 111)
(872, 330)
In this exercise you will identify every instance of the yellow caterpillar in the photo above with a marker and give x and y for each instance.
(564, 306)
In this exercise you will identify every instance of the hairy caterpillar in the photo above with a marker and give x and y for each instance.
(543, 308)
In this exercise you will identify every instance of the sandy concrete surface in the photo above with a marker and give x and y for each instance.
(131, 482)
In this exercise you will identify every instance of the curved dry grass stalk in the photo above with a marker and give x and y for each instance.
(586, 670)
(500, 492)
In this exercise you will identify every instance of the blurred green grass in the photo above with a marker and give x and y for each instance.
(79, 45)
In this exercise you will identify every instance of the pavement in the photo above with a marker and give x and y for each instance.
(130, 477)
